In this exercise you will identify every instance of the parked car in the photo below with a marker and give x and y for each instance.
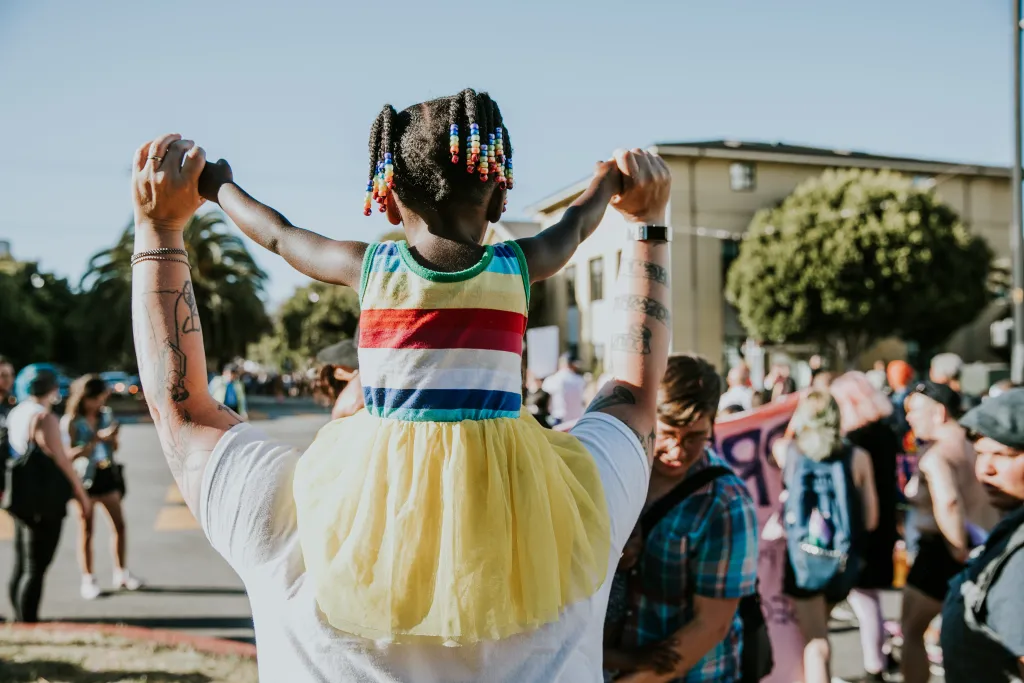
(121, 383)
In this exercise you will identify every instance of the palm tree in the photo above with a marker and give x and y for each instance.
(227, 282)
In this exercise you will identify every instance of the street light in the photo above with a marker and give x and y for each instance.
(1017, 362)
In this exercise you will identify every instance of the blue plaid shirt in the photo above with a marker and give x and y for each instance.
(707, 546)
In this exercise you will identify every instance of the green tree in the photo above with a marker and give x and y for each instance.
(854, 256)
(317, 316)
(36, 310)
(227, 282)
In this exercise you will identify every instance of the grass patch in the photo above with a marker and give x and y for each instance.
(51, 656)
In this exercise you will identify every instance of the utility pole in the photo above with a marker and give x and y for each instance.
(1017, 367)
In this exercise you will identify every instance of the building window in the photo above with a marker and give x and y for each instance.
(742, 176)
(570, 285)
(597, 278)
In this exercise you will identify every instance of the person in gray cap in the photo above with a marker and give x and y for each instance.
(983, 616)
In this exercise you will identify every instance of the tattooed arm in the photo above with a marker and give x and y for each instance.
(165, 320)
(639, 347)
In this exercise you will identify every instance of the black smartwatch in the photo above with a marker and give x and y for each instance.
(649, 233)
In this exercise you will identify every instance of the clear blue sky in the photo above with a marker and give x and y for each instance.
(287, 94)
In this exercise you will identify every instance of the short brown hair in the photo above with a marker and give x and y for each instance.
(689, 391)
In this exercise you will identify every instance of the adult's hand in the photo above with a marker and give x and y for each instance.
(165, 182)
(646, 185)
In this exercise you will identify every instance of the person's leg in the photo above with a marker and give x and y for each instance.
(18, 571)
(44, 538)
(918, 611)
(84, 540)
(812, 617)
(867, 606)
(111, 502)
(115, 512)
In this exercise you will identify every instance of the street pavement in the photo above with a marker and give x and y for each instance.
(189, 587)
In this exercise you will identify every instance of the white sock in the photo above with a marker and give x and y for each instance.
(87, 578)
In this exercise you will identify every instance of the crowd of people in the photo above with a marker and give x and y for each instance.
(463, 521)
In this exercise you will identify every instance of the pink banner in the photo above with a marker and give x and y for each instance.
(745, 442)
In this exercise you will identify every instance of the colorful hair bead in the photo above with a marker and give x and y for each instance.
(389, 170)
(492, 163)
(473, 147)
(368, 200)
(453, 142)
(508, 172)
(499, 153)
(484, 163)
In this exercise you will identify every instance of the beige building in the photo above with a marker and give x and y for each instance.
(717, 187)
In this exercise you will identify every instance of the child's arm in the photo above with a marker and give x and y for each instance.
(320, 258)
(548, 252)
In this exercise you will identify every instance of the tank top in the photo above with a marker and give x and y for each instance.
(442, 347)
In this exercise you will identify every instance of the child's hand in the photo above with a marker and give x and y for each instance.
(213, 176)
(646, 183)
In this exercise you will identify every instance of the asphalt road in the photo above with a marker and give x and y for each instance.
(189, 586)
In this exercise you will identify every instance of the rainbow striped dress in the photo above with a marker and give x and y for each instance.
(443, 511)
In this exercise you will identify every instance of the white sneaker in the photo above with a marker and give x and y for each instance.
(125, 580)
(90, 591)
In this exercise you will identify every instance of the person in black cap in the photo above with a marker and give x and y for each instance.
(983, 616)
(947, 499)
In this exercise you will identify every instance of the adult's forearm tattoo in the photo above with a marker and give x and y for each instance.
(644, 269)
(186, 321)
(637, 339)
(643, 304)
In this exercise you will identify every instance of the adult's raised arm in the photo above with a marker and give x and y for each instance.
(640, 340)
(165, 319)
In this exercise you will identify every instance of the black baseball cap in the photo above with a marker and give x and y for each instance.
(941, 394)
(1000, 419)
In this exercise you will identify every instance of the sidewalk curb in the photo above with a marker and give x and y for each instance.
(212, 646)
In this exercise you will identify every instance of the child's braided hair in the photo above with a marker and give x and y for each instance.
(439, 151)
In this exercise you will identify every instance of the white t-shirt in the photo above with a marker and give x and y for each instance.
(566, 389)
(737, 396)
(18, 422)
(247, 512)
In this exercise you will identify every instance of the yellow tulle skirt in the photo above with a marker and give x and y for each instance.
(452, 531)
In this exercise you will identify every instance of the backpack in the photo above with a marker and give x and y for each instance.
(824, 523)
(756, 658)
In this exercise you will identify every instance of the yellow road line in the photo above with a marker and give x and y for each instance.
(175, 518)
(174, 495)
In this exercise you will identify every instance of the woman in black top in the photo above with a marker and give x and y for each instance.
(34, 436)
(864, 413)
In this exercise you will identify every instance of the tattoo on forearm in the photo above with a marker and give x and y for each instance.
(186, 321)
(644, 269)
(645, 305)
(619, 396)
(637, 339)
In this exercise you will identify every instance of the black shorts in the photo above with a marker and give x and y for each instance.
(105, 481)
(933, 567)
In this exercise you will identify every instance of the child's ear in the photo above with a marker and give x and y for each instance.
(393, 214)
(496, 205)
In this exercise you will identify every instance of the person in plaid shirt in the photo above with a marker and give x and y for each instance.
(700, 559)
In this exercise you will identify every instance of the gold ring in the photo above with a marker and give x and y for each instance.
(156, 158)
